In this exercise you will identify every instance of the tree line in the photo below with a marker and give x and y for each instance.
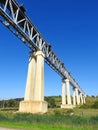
(53, 102)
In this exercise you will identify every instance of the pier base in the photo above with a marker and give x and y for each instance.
(33, 107)
(67, 106)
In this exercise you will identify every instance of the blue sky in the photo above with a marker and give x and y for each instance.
(71, 27)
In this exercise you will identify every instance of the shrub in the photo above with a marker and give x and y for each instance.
(69, 111)
(3, 117)
(94, 120)
(95, 105)
(57, 112)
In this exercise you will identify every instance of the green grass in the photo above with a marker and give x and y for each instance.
(47, 127)
(55, 119)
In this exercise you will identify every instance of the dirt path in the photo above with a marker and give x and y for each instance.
(1, 128)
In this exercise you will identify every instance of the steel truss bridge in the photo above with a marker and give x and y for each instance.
(13, 16)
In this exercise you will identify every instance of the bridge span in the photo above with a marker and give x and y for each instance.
(13, 16)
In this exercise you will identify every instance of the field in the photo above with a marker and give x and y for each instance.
(84, 117)
(55, 119)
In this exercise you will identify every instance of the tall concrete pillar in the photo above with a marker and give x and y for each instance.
(84, 99)
(74, 97)
(39, 78)
(29, 92)
(68, 91)
(66, 99)
(81, 98)
(63, 95)
(77, 96)
(34, 95)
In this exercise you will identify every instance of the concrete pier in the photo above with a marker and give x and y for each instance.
(74, 97)
(63, 95)
(34, 94)
(77, 96)
(68, 92)
(66, 100)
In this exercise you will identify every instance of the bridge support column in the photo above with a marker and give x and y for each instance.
(34, 94)
(84, 99)
(77, 96)
(63, 95)
(81, 98)
(68, 96)
(74, 97)
(29, 92)
(68, 92)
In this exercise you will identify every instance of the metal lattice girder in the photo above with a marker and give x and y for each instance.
(13, 16)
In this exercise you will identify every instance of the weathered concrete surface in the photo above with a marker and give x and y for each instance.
(33, 106)
(34, 95)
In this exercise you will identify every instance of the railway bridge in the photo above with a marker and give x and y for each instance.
(13, 16)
